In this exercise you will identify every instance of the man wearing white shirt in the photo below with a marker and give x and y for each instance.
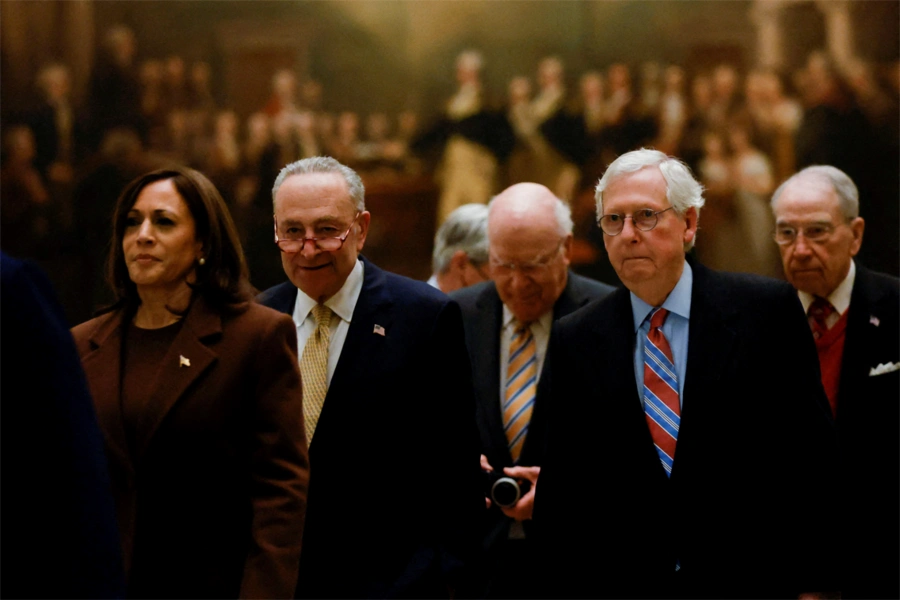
(388, 428)
(460, 254)
(853, 314)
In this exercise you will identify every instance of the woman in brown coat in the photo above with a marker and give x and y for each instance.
(197, 391)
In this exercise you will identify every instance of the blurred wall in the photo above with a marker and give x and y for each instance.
(385, 54)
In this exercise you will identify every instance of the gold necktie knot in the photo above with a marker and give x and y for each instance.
(322, 315)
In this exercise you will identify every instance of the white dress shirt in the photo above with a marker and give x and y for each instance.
(342, 303)
(839, 298)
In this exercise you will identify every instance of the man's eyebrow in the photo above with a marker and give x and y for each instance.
(328, 219)
(802, 223)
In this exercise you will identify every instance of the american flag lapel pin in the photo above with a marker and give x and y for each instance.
(379, 330)
(183, 361)
(874, 320)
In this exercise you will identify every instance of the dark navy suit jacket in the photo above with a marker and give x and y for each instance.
(868, 421)
(395, 493)
(746, 511)
(60, 537)
(483, 318)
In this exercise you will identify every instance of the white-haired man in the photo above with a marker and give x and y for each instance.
(854, 314)
(690, 437)
(460, 254)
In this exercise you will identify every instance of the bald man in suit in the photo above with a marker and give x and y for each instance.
(529, 247)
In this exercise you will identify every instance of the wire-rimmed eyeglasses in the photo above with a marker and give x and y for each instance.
(326, 244)
(786, 233)
(528, 269)
(643, 219)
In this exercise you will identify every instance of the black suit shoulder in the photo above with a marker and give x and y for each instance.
(579, 290)
(867, 415)
(468, 297)
(588, 286)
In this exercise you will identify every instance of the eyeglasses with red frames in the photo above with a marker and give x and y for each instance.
(291, 244)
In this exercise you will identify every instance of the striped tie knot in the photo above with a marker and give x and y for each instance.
(661, 403)
(658, 317)
(521, 386)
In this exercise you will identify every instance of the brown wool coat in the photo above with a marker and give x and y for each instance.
(211, 484)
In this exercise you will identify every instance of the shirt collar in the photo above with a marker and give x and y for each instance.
(342, 303)
(678, 301)
(545, 321)
(840, 297)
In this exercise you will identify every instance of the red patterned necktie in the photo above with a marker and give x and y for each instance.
(661, 405)
(818, 314)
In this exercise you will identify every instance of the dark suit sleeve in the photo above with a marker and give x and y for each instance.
(554, 523)
(280, 466)
(461, 504)
(801, 428)
(60, 538)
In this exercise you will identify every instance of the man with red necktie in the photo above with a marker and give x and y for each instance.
(853, 313)
(689, 438)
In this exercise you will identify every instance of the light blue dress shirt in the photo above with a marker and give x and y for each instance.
(678, 303)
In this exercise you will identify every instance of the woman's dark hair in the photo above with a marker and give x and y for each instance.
(223, 279)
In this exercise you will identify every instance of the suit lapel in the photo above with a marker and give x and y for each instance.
(488, 384)
(102, 368)
(865, 303)
(176, 375)
(571, 299)
(363, 350)
(711, 345)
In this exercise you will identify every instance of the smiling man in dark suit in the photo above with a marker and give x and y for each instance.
(388, 428)
(529, 245)
(689, 441)
(819, 232)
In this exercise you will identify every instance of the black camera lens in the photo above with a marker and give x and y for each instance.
(504, 490)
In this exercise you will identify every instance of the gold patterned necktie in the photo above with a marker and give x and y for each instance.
(314, 368)
(521, 385)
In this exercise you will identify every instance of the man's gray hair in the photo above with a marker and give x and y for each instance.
(465, 229)
(844, 188)
(325, 164)
(683, 191)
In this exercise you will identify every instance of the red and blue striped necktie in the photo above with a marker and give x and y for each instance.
(661, 405)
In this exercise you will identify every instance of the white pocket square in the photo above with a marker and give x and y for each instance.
(884, 368)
